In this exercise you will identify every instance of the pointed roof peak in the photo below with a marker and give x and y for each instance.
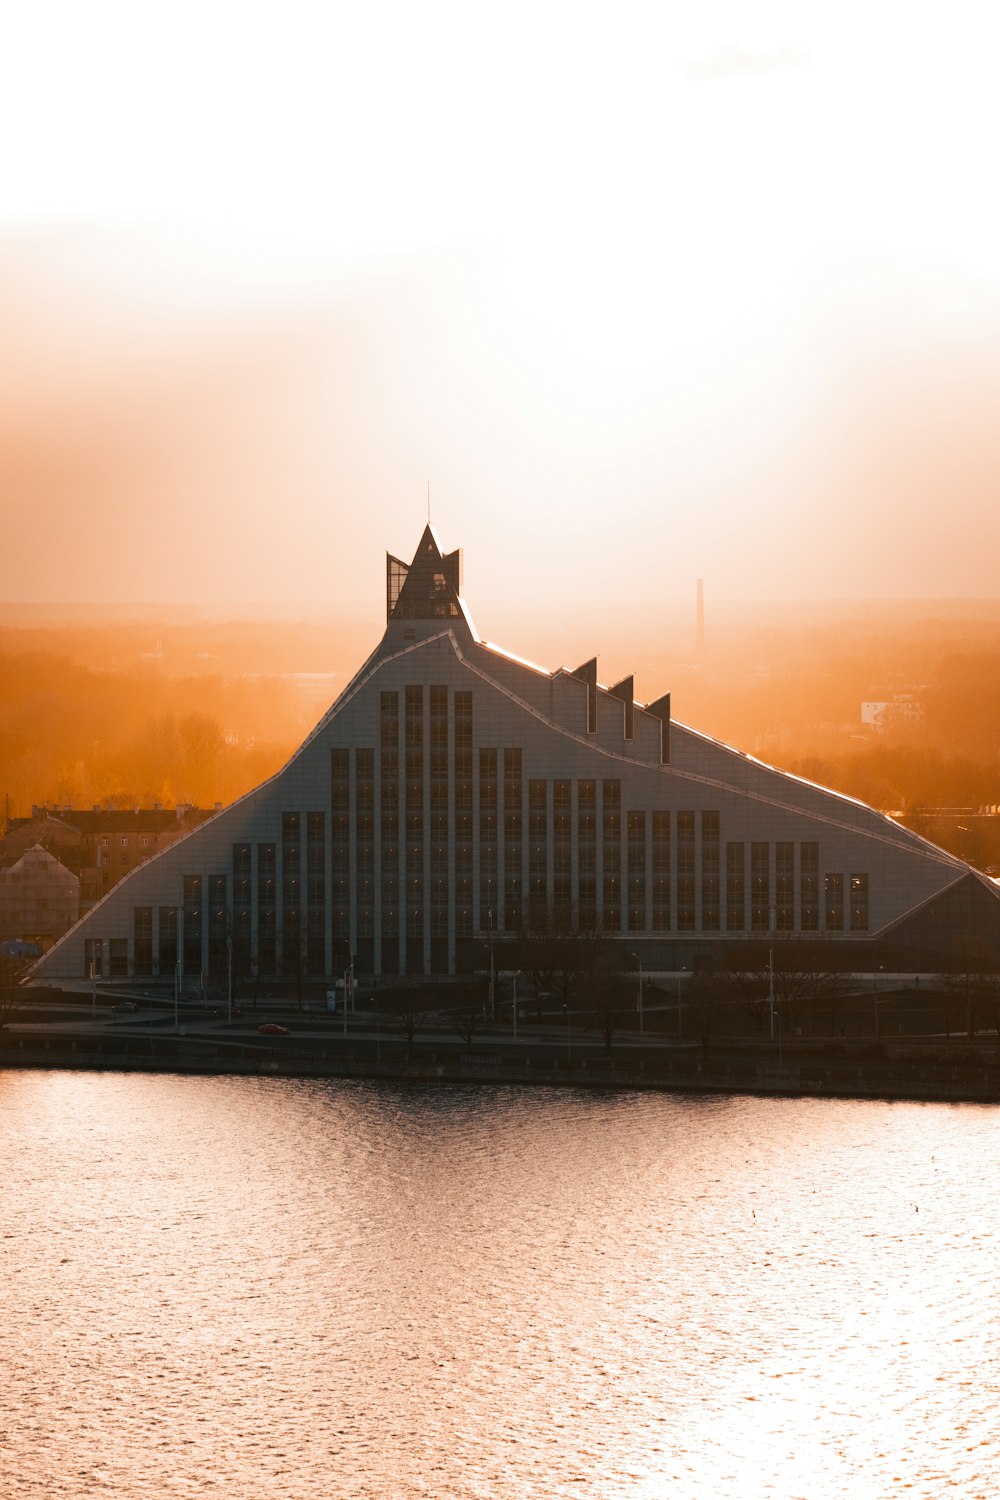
(428, 543)
(428, 588)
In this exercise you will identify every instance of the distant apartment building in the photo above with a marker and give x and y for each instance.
(39, 898)
(900, 711)
(101, 845)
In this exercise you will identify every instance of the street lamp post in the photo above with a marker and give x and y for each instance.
(639, 1003)
(515, 1005)
(569, 1035)
(770, 965)
(680, 1027)
(177, 995)
(493, 1011)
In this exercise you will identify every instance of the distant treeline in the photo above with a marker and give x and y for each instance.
(144, 711)
(75, 737)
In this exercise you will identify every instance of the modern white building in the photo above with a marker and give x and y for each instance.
(454, 795)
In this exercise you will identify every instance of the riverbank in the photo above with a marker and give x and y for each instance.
(953, 1072)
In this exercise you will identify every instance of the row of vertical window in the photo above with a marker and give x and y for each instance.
(642, 884)
(845, 898)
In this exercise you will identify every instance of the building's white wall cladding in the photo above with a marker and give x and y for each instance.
(544, 716)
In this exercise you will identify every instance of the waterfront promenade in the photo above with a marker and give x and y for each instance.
(201, 1039)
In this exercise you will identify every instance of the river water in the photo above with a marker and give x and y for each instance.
(245, 1287)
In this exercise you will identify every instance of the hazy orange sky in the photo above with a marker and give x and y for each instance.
(647, 292)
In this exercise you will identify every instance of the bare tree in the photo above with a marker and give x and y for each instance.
(975, 982)
(466, 1011)
(410, 1009)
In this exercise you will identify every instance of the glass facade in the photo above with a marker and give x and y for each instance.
(242, 910)
(267, 917)
(859, 903)
(636, 854)
(736, 883)
(464, 905)
(834, 891)
(587, 846)
(661, 871)
(710, 872)
(538, 856)
(389, 836)
(760, 887)
(513, 841)
(611, 820)
(430, 843)
(488, 833)
(809, 887)
(142, 938)
(292, 956)
(364, 843)
(685, 872)
(440, 831)
(413, 740)
(784, 886)
(192, 927)
(562, 855)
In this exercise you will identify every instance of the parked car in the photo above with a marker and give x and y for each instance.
(271, 1028)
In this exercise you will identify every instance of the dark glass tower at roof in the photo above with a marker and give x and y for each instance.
(428, 588)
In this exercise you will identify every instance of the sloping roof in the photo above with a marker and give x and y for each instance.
(49, 832)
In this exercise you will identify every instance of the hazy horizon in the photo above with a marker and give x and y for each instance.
(641, 299)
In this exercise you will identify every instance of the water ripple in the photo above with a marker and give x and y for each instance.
(316, 1290)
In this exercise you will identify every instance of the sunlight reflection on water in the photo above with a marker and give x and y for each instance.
(303, 1289)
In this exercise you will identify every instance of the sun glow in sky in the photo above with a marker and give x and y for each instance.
(647, 292)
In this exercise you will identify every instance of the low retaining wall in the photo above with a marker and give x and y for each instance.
(842, 1077)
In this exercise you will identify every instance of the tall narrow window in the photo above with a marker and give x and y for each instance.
(439, 833)
(834, 891)
(315, 902)
(218, 928)
(661, 871)
(586, 792)
(562, 862)
(760, 887)
(242, 908)
(390, 841)
(859, 903)
(168, 941)
(413, 731)
(809, 857)
(489, 911)
(784, 886)
(611, 820)
(142, 939)
(192, 927)
(685, 872)
(710, 875)
(267, 923)
(292, 924)
(463, 829)
(364, 842)
(513, 841)
(736, 872)
(538, 849)
(636, 854)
